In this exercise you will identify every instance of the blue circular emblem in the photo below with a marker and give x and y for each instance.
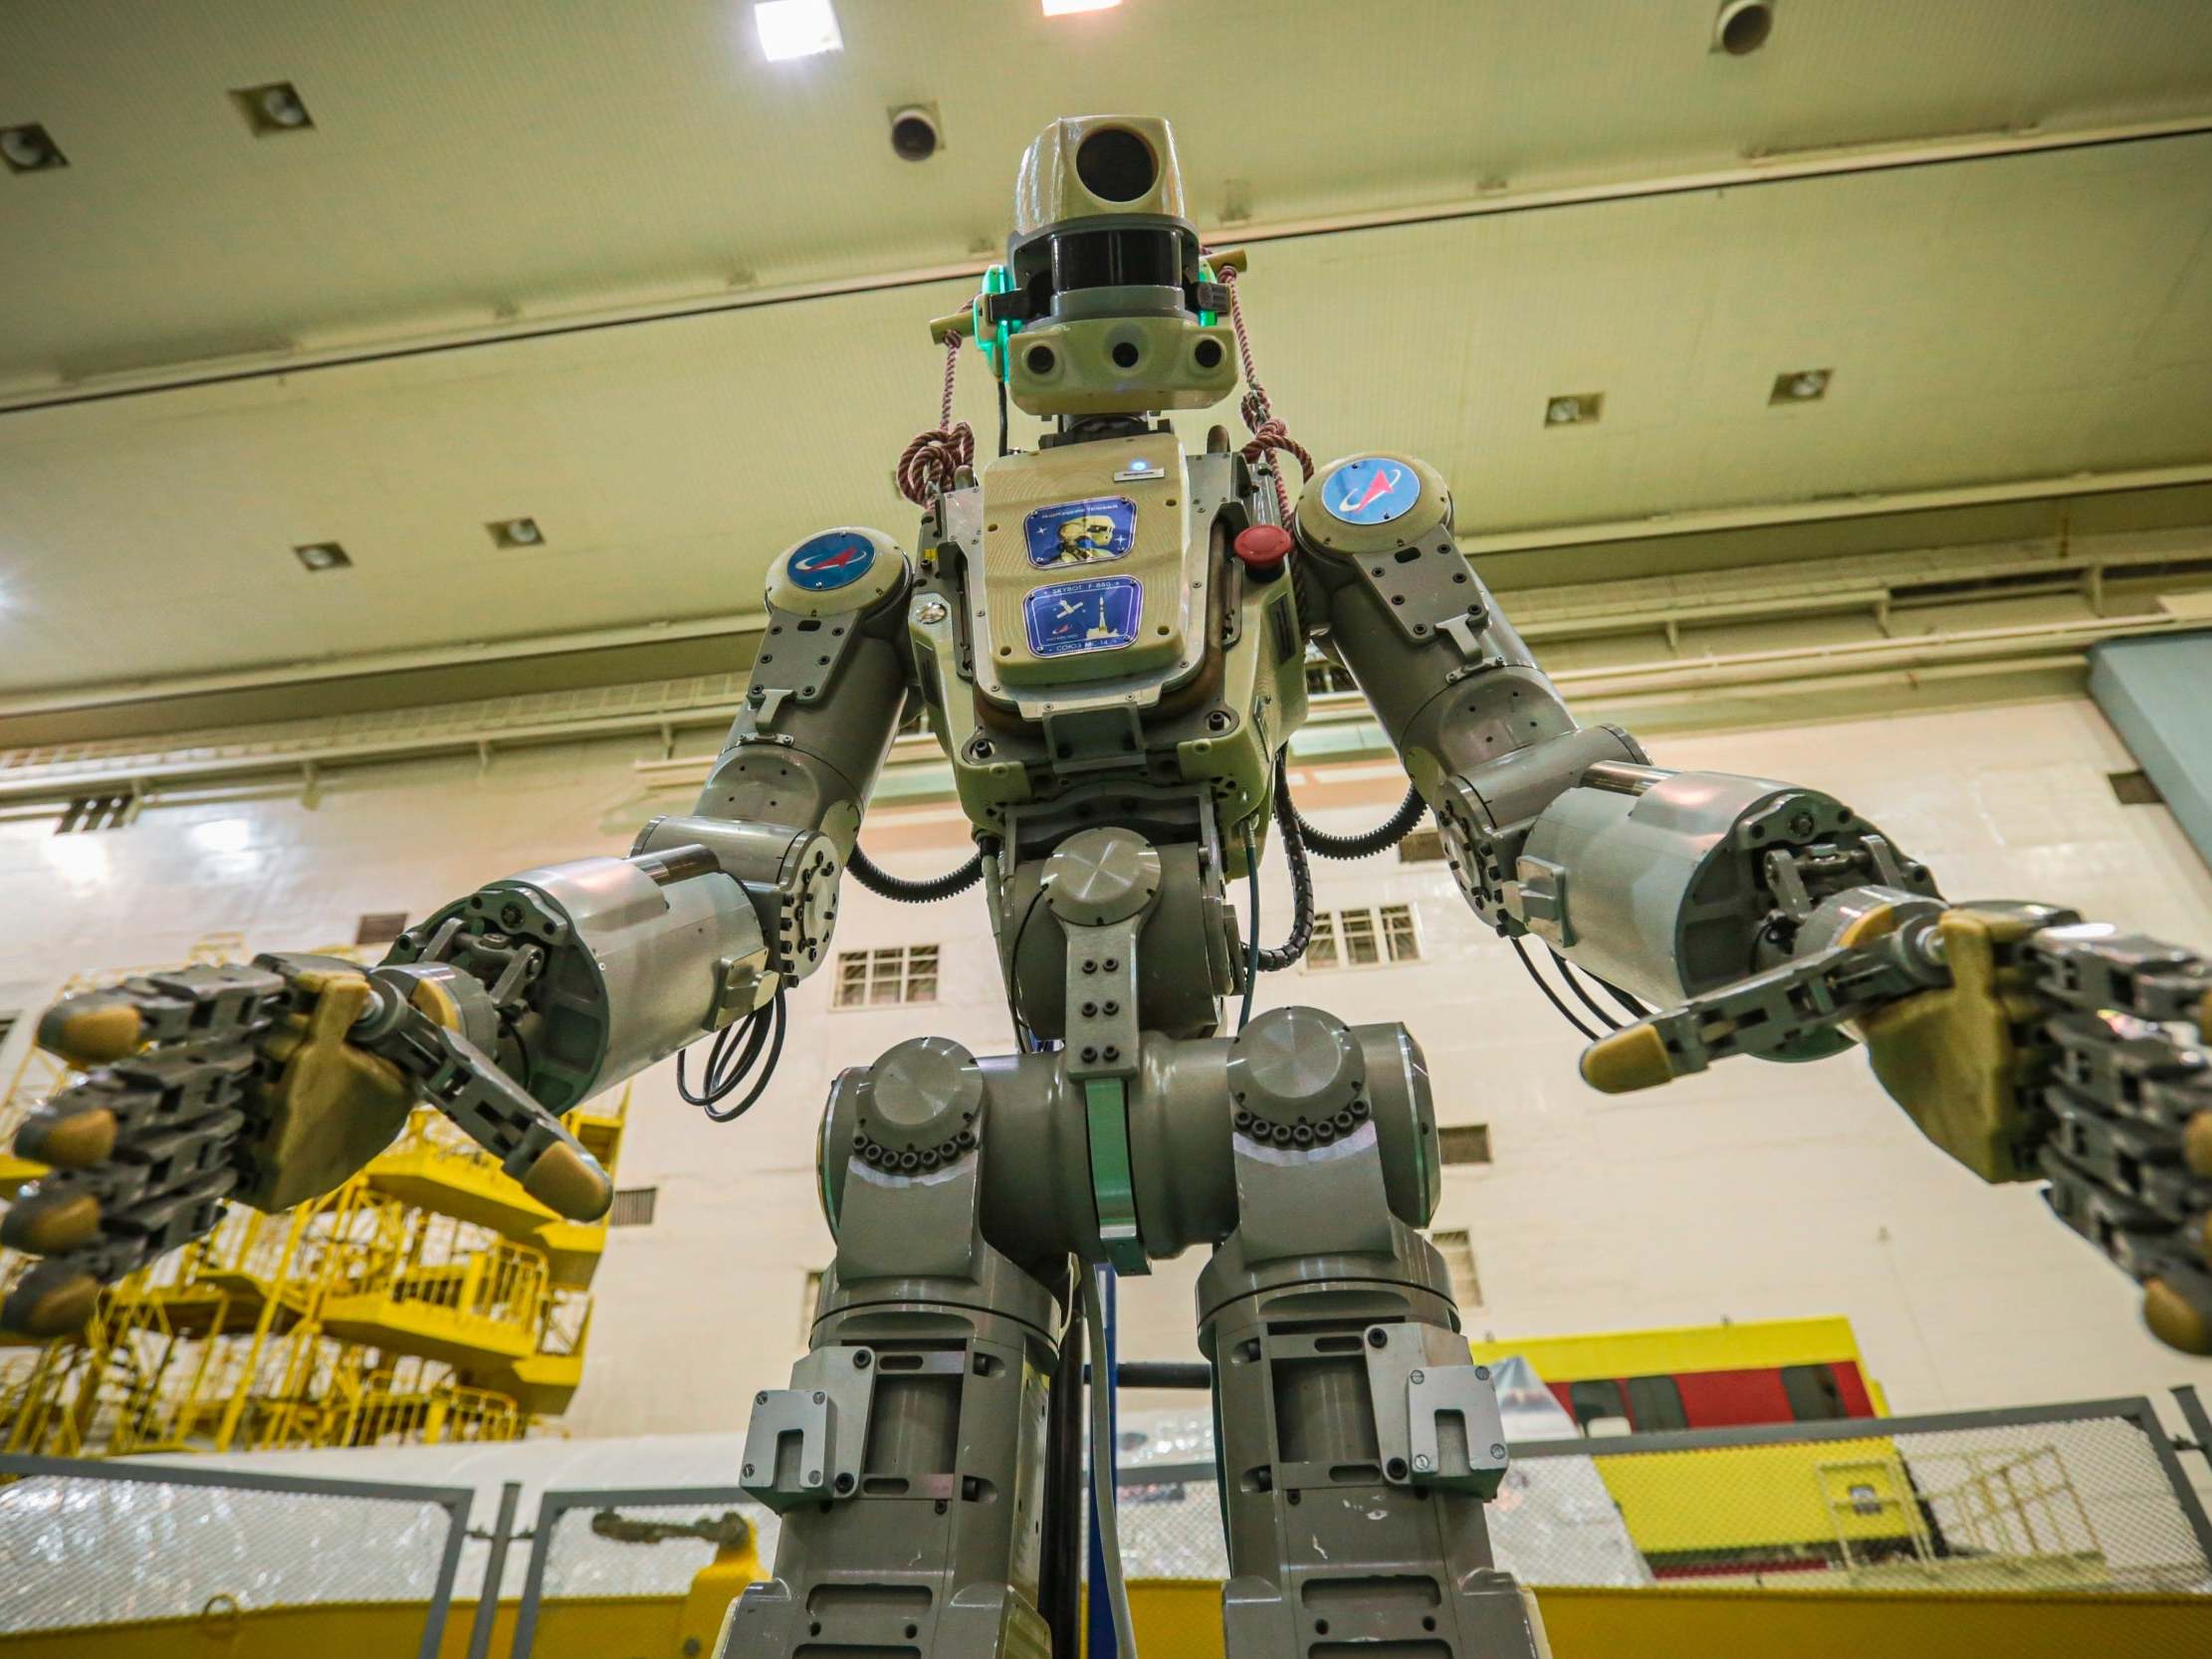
(827, 562)
(1373, 489)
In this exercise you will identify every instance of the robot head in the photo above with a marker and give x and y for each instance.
(1102, 277)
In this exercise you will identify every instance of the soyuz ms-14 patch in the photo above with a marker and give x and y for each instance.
(1101, 615)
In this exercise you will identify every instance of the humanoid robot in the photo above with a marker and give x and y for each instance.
(1107, 635)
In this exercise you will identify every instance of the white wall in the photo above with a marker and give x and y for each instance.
(1752, 1192)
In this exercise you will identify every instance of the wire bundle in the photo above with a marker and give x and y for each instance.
(735, 1052)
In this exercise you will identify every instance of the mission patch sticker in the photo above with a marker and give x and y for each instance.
(1101, 615)
(830, 562)
(1373, 489)
(1070, 534)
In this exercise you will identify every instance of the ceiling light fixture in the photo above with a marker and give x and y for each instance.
(915, 135)
(323, 555)
(516, 532)
(1800, 385)
(1573, 408)
(30, 148)
(1067, 8)
(796, 28)
(1742, 27)
(272, 109)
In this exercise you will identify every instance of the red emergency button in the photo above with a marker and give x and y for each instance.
(1263, 548)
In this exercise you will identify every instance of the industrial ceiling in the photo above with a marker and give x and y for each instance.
(606, 268)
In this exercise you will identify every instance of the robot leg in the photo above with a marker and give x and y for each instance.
(907, 1458)
(1358, 1440)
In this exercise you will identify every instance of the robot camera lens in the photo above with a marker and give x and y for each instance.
(1041, 360)
(1207, 355)
(1125, 355)
(1115, 166)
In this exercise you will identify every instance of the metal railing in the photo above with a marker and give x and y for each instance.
(92, 1543)
(2089, 1495)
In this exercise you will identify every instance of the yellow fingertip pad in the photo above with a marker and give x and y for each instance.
(570, 1182)
(75, 1141)
(46, 1224)
(92, 1035)
(2177, 1319)
(59, 1310)
(1635, 1058)
(2197, 1143)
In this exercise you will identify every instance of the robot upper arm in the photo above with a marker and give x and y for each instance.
(1483, 732)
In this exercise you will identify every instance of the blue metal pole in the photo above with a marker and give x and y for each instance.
(1100, 1642)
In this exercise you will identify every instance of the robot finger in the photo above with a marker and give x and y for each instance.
(104, 1243)
(208, 1002)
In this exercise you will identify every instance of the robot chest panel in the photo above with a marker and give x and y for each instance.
(1088, 573)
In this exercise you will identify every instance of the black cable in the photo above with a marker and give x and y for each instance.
(1022, 1029)
(1292, 828)
(1629, 1004)
(1567, 973)
(886, 886)
(760, 1083)
(1251, 936)
(1550, 996)
(1381, 838)
(732, 1057)
(1003, 448)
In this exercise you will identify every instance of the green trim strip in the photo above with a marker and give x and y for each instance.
(1113, 1187)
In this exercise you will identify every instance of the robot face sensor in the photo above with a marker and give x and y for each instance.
(1081, 532)
(1110, 308)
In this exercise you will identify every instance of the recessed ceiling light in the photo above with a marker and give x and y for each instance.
(1573, 408)
(796, 28)
(323, 555)
(1742, 27)
(1062, 8)
(1800, 385)
(516, 532)
(30, 148)
(272, 109)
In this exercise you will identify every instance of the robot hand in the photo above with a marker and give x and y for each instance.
(2026, 1044)
(271, 1084)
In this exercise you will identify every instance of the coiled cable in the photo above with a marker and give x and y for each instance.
(735, 1053)
(1381, 838)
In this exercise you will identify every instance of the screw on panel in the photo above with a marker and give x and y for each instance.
(1497, 1451)
(1418, 1376)
(1421, 1462)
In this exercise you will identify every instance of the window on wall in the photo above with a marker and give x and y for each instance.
(1465, 1143)
(633, 1206)
(380, 927)
(1324, 677)
(879, 978)
(1458, 1250)
(1655, 1403)
(1814, 1395)
(1421, 846)
(95, 812)
(1597, 1400)
(1370, 937)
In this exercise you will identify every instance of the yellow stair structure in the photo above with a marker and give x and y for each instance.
(428, 1299)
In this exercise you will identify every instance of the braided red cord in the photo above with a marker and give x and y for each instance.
(1267, 430)
(929, 464)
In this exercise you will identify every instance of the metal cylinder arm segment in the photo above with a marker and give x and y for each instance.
(599, 967)
(1662, 884)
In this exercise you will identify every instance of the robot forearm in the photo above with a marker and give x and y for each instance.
(599, 967)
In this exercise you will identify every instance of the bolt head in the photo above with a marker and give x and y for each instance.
(749, 1471)
(932, 611)
(1421, 1462)
(817, 1396)
(1497, 1451)
(1418, 1377)
(814, 1477)
(762, 1398)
